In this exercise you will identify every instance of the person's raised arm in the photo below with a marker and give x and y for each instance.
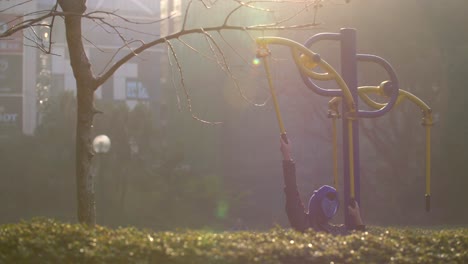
(285, 150)
(289, 167)
(294, 207)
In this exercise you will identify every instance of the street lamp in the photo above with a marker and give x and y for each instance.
(101, 144)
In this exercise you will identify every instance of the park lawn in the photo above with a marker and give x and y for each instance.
(50, 241)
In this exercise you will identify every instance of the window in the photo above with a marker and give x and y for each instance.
(136, 90)
(177, 8)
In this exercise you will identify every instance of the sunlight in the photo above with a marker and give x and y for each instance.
(256, 61)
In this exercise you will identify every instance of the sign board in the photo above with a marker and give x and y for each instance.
(11, 115)
(11, 74)
(11, 57)
(12, 44)
(136, 90)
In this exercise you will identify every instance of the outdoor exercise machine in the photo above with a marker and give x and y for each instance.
(348, 95)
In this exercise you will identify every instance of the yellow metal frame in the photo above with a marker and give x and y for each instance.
(297, 49)
(351, 157)
(307, 61)
(334, 113)
(303, 55)
(427, 122)
(273, 95)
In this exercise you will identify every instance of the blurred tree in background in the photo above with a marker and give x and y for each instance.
(448, 22)
(136, 186)
(427, 45)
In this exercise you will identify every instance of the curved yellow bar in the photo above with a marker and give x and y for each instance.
(315, 75)
(364, 90)
(413, 98)
(427, 121)
(363, 94)
(296, 48)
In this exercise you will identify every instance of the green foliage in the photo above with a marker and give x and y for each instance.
(49, 241)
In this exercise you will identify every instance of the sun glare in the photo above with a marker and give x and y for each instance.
(256, 61)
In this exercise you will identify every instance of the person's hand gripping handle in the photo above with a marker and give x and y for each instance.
(285, 147)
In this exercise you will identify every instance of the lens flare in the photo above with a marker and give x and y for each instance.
(256, 61)
(222, 209)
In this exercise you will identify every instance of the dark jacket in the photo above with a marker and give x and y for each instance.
(299, 219)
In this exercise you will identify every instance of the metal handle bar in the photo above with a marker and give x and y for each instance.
(308, 82)
(390, 89)
(296, 49)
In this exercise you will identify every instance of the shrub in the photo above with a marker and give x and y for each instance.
(49, 241)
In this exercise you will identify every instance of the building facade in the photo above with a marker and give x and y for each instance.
(29, 77)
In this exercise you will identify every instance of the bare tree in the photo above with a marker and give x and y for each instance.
(283, 16)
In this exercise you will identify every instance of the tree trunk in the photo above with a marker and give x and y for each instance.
(84, 154)
(86, 85)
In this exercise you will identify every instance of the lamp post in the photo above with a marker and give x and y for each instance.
(101, 145)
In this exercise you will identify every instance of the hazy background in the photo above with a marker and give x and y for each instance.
(229, 176)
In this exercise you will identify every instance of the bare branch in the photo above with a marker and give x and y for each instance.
(196, 51)
(37, 45)
(250, 5)
(233, 11)
(181, 75)
(100, 18)
(37, 40)
(130, 21)
(187, 95)
(118, 64)
(233, 49)
(186, 14)
(209, 39)
(29, 23)
(92, 43)
(173, 79)
(13, 6)
(100, 22)
(206, 5)
(306, 8)
(229, 73)
(316, 8)
(117, 52)
(54, 9)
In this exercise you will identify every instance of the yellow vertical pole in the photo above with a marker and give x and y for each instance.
(351, 158)
(428, 167)
(335, 154)
(273, 95)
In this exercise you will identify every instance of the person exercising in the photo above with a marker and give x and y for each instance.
(323, 204)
